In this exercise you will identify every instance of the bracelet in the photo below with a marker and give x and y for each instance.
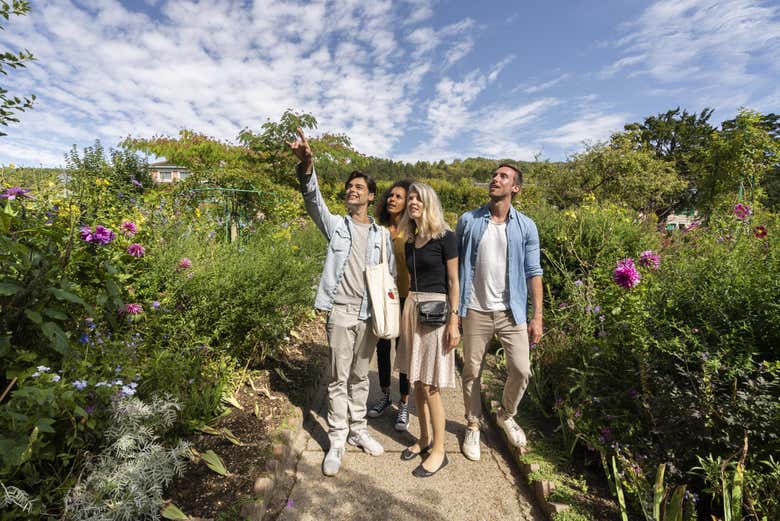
(454, 311)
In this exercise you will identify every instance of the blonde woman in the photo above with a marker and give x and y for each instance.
(425, 349)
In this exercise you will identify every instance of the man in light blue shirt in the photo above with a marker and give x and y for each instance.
(354, 242)
(499, 263)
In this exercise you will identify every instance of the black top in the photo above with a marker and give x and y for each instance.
(431, 263)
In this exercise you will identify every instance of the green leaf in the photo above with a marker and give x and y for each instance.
(619, 490)
(214, 462)
(231, 400)
(675, 510)
(8, 288)
(171, 511)
(28, 451)
(736, 492)
(34, 316)
(56, 336)
(207, 429)
(658, 496)
(61, 294)
(55, 314)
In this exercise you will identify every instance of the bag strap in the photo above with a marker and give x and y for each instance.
(414, 265)
(383, 252)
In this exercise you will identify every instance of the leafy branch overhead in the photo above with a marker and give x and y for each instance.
(11, 105)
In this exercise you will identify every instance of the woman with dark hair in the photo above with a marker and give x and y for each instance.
(389, 211)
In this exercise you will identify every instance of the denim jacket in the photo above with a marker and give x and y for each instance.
(522, 256)
(338, 230)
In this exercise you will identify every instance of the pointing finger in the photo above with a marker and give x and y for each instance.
(300, 133)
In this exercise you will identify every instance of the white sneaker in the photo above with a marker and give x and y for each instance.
(513, 432)
(471, 444)
(332, 461)
(364, 440)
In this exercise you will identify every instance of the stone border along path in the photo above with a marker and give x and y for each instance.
(371, 488)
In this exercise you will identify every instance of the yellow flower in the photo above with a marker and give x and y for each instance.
(570, 214)
(197, 212)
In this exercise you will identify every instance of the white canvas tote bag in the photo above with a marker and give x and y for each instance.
(383, 293)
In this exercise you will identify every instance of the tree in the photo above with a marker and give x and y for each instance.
(742, 154)
(616, 171)
(11, 105)
(682, 138)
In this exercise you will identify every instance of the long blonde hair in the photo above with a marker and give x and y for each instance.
(432, 223)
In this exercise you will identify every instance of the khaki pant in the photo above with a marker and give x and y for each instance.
(479, 327)
(352, 344)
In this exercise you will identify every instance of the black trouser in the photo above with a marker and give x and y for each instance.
(383, 362)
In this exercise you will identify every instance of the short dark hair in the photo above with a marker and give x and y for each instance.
(381, 213)
(370, 182)
(518, 172)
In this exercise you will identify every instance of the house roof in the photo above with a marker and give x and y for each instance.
(166, 164)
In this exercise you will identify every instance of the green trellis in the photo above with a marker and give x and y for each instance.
(231, 213)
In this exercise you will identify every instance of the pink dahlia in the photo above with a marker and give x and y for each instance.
(136, 250)
(86, 233)
(742, 211)
(133, 309)
(185, 263)
(14, 192)
(129, 228)
(103, 235)
(760, 232)
(626, 274)
(649, 259)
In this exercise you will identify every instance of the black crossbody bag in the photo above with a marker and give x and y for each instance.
(429, 312)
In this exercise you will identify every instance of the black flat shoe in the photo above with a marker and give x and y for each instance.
(407, 455)
(420, 471)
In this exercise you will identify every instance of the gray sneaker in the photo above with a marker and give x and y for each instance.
(364, 440)
(379, 407)
(471, 444)
(332, 461)
(402, 418)
(513, 432)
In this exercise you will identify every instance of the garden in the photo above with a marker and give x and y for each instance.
(131, 313)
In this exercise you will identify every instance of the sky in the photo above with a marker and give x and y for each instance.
(407, 79)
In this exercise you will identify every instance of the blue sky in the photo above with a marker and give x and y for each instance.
(405, 79)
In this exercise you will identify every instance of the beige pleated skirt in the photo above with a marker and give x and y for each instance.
(420, 353)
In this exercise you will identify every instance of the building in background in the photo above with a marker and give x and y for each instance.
(164, 172)
(685, 219)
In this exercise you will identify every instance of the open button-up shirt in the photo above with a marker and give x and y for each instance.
(338, 230)
(522, 256)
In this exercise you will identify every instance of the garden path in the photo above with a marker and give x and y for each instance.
(371, 488)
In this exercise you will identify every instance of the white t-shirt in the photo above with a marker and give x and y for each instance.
(489, 286)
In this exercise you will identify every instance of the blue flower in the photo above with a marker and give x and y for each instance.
(36, 374)
(43, 368)
(84, 338)
(127, 390)
(80, 385)
(55, 378)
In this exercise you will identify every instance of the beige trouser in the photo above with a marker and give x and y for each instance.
(352, 344)
(479, 327)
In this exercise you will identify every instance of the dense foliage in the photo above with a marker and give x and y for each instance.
(660, 348)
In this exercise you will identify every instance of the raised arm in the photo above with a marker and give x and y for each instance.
(312, 198)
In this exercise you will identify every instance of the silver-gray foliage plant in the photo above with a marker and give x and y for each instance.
(126, 481)
(16, 497)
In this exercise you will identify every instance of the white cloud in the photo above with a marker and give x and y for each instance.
(106, 71)
(588, 128)
(533, 89)
(725, 45)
